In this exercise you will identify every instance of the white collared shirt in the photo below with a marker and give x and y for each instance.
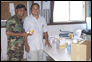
(35, 41)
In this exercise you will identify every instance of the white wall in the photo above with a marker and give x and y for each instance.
(3, 44)
(52, 30)
(55, 29)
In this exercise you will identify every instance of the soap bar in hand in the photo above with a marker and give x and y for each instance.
(31, 32)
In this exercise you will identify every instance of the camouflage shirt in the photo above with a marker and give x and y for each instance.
(15, 43)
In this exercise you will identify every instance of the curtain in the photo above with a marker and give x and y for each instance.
(52, 8)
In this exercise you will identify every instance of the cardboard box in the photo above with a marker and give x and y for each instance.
(81, 52)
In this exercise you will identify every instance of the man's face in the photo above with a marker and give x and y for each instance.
(20, 12)
(35, 10)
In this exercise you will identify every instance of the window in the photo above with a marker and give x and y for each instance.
(69, 11)
(61, 11)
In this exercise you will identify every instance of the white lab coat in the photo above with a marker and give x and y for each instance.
(35, 41)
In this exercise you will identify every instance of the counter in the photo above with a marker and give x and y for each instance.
(58, 54)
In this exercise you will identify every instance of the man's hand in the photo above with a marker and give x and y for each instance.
(47, 43)
(26, 34)
(27, 48)
(46, 39)
(18, 34)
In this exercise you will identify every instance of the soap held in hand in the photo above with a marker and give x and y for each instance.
(31, 31)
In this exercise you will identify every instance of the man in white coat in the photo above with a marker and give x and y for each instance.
(34, 43)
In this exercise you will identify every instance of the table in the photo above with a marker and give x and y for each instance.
(58, 54)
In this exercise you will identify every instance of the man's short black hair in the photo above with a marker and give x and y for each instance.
(21, 6)
(35, 4)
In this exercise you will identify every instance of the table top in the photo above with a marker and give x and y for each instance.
(58, 54)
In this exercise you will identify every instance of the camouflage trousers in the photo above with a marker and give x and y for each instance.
(15, 56)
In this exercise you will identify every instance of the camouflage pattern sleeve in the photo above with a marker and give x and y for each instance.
(10, 25)
(22, 26)
(23, 30)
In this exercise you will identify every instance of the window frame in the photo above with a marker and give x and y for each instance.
(70, 22)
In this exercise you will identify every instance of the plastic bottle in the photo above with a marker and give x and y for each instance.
(69, 46)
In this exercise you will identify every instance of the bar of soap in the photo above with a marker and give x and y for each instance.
(27, 32)
(31, 31)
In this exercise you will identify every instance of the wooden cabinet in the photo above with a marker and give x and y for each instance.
(5, 14)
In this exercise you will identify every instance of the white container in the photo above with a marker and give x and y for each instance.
(51, 39)
(62, 41)
(75, 41)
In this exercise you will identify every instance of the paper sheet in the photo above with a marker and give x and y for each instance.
(11, 9)
(46, 4)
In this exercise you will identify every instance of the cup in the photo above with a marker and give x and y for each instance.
(51, 39)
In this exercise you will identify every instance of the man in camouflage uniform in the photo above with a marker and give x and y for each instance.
(15, 35)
